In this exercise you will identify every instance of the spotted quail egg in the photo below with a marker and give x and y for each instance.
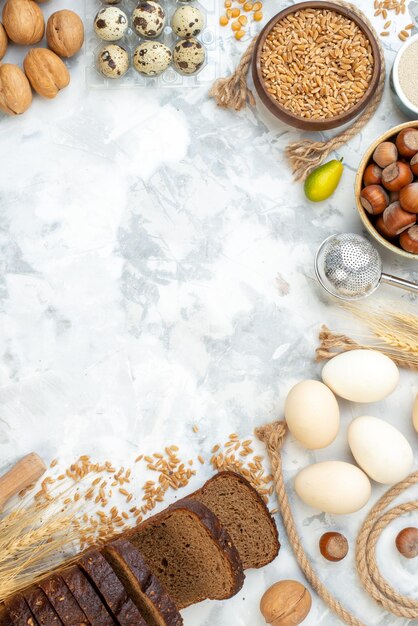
(113, 61)
(152, 58)
(189, 56)
(149, 19)
(110, 24)
(187, 22)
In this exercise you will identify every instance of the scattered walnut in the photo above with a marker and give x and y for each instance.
(23, 21)
(15, 91)
(46, 72)
(65, 33)
(286, 603)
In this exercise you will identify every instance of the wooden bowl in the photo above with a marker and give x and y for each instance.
(358, 186)
(287, 116)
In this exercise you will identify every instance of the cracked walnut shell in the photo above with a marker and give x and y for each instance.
(23, 21)
(65, 33)
(15, 91)
(46, 72)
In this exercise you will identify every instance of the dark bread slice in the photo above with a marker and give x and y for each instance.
(4, 617)
(63, 601)
(243, 513)
(41, 607)
(144, 588)
(86, 597)
(19, 611)
(110, 589)
(190, 552)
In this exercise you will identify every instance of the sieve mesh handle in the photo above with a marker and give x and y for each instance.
(399, 282)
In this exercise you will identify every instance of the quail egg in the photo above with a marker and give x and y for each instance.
(110, 24)
(152, 58)
(149, 19)
(187, 22)
(189, 56)
(113, 61)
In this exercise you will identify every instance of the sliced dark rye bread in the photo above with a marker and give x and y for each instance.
(143, 587)
(243, 513)
(63, 601)
(41, 607)
(86, 597)
(110, 589)
(5, 619)
(19, 611)
(190, 552)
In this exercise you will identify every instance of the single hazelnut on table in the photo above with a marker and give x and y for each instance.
(333, 546)
(286, 603)
(396, 176)
(15, 91)
(414, 164)
(23, 21)
(409, 240)
(407, 142)
(374, 199)
(381, 228)
(65, 33)
(46, 72)
(385, 154)
(397, 220)
(372, 175)
(407, 542)
(408, 198)
(3, 41)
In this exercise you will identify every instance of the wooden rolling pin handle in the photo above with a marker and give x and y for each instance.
(21, 476)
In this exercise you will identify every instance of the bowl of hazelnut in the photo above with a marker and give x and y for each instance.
(387, 190)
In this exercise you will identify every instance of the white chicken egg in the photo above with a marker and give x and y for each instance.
(380, 449)
(110, 24)
(361, 375)
(333, 487)
(312, 414)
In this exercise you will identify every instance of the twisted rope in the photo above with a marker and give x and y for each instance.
(273, 436)
(305, 155)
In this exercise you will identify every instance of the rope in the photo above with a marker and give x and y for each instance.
(273, 436)
(305, 155)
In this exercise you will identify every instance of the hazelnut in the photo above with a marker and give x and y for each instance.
(397, 220)
(23, 21)
(372, 175)
(396, 176)
(15, 91)
(381, 228)
(333, 546)
(286, 603)
(3, 41)
(409, 240)
(407, 142)
(65, 33)
(408, 198)
(385, 154)
(407, 542)
(46, 72)
(374, 199)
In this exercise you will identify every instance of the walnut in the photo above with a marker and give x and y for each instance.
(46, 72)
(3, 41)
(286, 603)
(15, 91)
(23, 21)
(65, 33)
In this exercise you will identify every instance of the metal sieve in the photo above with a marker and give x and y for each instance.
(349, 267)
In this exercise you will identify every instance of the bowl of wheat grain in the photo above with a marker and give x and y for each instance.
(316, 65)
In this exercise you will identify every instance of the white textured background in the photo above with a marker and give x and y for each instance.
(156, 272)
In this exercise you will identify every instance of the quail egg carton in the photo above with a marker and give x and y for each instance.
(171, 77)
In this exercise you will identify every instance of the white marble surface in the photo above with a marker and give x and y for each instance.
(156, 272)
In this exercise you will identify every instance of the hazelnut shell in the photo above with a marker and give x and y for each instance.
(15, 91)
(65, 33)
(286, 603)
(47, 73)
(409, 240)
(23, 21)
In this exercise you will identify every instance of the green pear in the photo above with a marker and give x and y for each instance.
(323, 181)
